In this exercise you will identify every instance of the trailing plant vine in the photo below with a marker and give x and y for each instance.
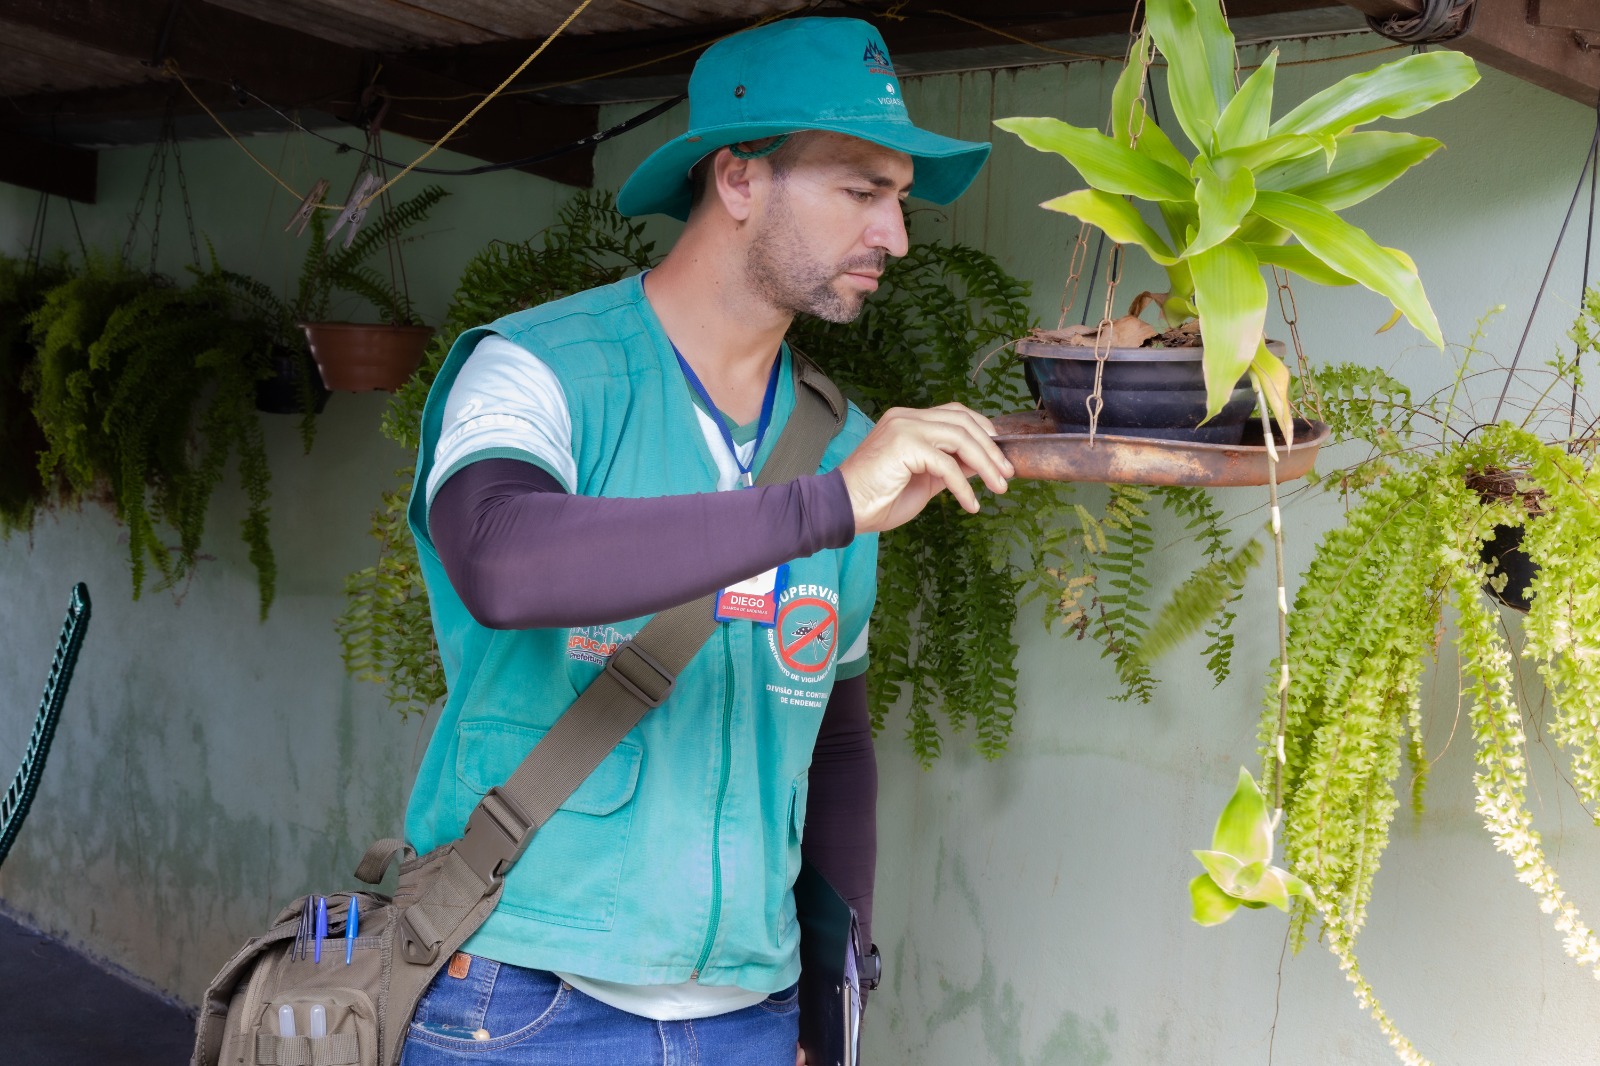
(1370, 614)
(22, 489)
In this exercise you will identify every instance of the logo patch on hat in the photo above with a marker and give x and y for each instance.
(876, 59)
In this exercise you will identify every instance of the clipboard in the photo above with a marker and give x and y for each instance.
(833, 972)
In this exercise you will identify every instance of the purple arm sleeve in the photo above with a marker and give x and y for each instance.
(841, 836)
(523, 554)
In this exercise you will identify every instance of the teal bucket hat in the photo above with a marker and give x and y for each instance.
(798, 74)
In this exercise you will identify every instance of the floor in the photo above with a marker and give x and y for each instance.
(58, 1008)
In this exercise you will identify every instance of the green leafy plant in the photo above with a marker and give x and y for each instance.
(949, 584)
(1239, 870)
(22, 489)
(1254, 191)
(1373, 607)
(144, 391)
(327, 270)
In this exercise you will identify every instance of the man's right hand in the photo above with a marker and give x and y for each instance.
(912, 455)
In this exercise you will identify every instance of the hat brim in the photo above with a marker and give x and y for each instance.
(943, 166)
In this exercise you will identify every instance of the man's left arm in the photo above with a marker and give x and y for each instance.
(841, 832)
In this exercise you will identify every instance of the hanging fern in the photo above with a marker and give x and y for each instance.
(327, 270)
(1365, 622)
(949, 583)
(22, 490)
(144, 391)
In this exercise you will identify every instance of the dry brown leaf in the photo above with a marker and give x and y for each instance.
(1129, 331)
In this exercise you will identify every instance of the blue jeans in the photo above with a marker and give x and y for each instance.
(533, 1018)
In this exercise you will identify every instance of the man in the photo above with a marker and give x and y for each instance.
(583, 466)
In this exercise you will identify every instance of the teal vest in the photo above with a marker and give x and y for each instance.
(676, 857)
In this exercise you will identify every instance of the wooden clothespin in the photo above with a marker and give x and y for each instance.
(302, 217)
(355, 208)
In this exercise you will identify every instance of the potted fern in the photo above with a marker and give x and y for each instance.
(143, 390)
(361, 356)
(1250, 192)
(1440, 486)
(22, 489)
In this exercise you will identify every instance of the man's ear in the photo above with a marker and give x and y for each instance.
(732, 181)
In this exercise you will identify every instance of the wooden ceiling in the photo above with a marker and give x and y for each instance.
(78, 75)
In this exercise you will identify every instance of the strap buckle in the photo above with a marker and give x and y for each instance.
(869, 968)
(640, 674)
(494, 836)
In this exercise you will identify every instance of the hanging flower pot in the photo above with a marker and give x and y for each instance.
(1504, 555)
(1502, 552)
(294, 386)
(362, 357)
(1146, 392)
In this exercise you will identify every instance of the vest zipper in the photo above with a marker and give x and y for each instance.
(722, 793)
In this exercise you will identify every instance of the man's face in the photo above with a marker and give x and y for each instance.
(829, 225)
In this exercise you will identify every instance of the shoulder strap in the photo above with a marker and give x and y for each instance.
(639, 675)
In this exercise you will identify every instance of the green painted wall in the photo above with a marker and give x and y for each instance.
(1031, 910)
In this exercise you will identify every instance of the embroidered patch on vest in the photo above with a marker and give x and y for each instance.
(594, 644)
(807, 634)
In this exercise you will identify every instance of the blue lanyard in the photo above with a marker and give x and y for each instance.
(767, 403)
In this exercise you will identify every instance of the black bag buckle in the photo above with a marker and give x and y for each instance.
(637, 671)
(494, 836)
(869, 968)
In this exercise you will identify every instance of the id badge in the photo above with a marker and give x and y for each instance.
(752, 600)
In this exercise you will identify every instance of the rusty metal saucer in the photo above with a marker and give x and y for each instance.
(1029, 439)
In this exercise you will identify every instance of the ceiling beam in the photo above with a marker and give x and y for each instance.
(1565, 14)
(217, 48)
(50, 168)
(1505, 35)
(954, 26)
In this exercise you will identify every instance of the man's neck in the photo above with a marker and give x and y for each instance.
(727, 334)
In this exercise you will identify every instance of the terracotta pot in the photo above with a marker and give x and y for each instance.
(361, 357)
(1148, 392)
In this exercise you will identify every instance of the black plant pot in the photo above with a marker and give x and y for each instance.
(1503, 553)
(285, 392)
(1148, 392)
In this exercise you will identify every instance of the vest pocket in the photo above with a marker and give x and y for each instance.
(784, 918)
(572, 870)
(348, 1024)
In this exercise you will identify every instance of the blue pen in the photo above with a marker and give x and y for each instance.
(322, 927)
(352, 917)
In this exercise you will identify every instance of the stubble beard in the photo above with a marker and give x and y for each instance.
(784, 275)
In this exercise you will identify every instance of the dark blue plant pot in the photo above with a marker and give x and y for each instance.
(284, 393)
(1503, 554)
(1147, 392)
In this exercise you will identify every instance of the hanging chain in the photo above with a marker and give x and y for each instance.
(156, 157)
(36, 236)
(188, 209)
(156, 171)
(1102, 340)
(1075, 265)
(1291, 317)
(161, 196)
(1095, 403)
